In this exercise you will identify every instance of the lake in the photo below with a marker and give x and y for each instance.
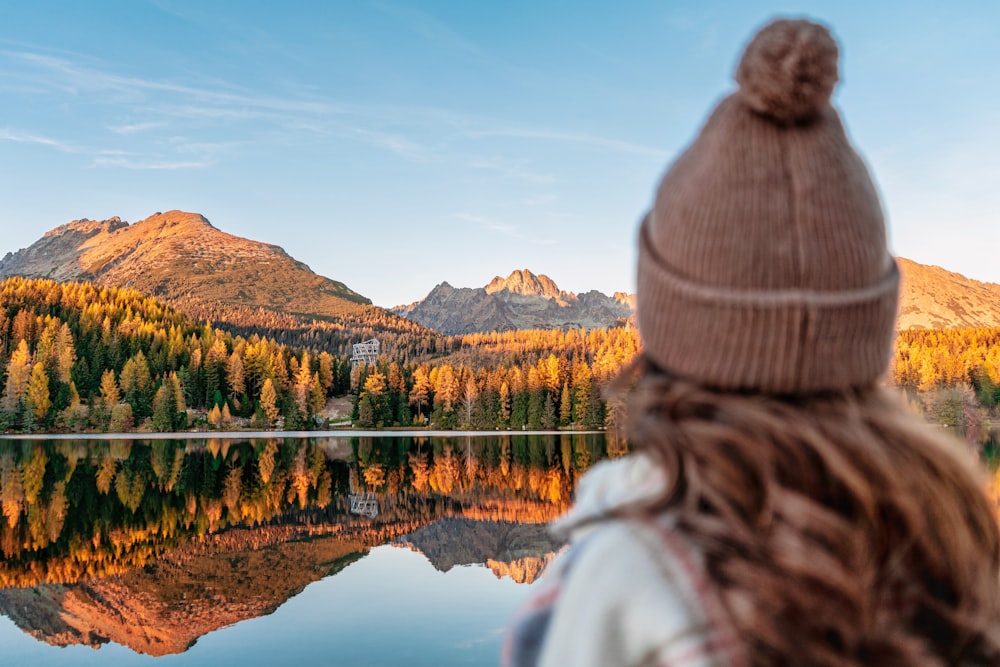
(352, 550)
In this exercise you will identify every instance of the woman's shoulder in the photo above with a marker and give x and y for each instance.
(632, 584)
(608, 488)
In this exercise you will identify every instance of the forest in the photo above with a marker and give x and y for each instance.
(76, 357)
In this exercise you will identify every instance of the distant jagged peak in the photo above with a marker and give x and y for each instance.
(525, 283)
(88, 227)
(624, 298)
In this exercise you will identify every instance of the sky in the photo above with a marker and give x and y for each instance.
(394, 144)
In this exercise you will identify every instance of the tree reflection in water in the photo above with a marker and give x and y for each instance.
(202, 533)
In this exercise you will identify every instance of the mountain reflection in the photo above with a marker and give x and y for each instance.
(151, 544)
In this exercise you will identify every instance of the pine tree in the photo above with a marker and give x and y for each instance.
(503, 417)
(18, 372)
(549, 412)
(565, 406)
(269, 401)
(420, 394)
(109, 388)
(215, 416)
(235, 375)
(136, 384)
(65, 354)
(317, 397)
(37, 398)
(164, 408)
(303, 382)
(469, 396)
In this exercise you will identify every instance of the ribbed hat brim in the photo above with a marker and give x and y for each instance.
(773, 341)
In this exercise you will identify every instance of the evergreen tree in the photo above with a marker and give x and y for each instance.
(536, 408)
(16, 385)
(549, 412)
(565, 406)
(164, 408)
(109, 388)
(235, 376)
(269, 401)
(37, 399)
(136, 385)
(503, 414)
(420, 394)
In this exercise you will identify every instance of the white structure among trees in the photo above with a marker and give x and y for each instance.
(365, 352)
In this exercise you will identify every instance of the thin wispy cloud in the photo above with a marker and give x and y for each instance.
(514, 169)
(182, 102)
(439, 33)
(509, 231)
(398, 144)
(569, 137)
(135, 128)
(77, 79)
(147, 165)
(27, 138)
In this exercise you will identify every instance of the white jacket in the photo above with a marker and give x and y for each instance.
(629, 592)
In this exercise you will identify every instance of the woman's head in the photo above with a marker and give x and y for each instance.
(762, 262)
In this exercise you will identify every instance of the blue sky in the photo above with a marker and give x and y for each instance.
(392, 145)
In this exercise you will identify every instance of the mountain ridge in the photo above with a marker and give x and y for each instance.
(931, 297)
(522, 300)
(174, 254)
(181, 258)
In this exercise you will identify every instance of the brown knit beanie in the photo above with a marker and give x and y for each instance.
(763, 263)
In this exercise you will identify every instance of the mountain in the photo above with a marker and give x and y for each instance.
(930, 298)
(522, 300)
(177, 255)
(243, 286)
(934, 298)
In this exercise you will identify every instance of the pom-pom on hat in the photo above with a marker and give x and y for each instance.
(763, 263)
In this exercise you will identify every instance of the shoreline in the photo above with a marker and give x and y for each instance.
(330, 434)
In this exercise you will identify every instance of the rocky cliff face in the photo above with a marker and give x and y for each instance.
(522, 300)
(525, 283)
(175, 255)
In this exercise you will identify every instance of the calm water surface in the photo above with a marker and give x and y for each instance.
(327, 551)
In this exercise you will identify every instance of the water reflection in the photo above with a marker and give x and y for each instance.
(152, 544)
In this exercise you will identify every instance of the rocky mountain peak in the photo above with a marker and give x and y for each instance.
(525, 283)
(176, 219)
(522, 300)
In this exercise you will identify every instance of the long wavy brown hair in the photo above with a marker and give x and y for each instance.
(838, 529)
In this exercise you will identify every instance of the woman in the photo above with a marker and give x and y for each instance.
(783, 508)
